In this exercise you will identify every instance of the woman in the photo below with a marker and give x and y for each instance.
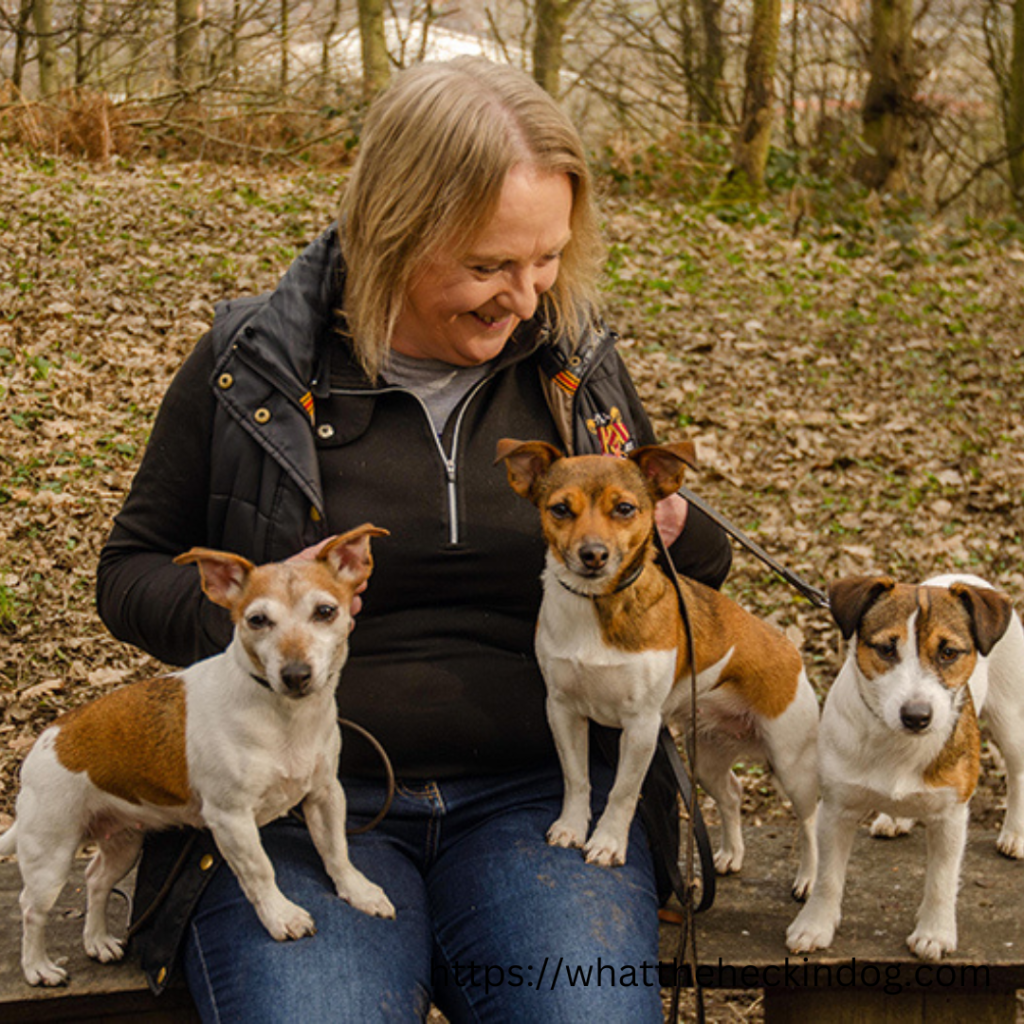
(454, 305)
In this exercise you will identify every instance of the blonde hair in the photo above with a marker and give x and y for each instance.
(435, 151)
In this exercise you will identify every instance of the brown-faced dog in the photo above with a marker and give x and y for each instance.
(612, 648)
(899, 734)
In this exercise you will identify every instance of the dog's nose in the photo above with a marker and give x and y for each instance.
(296, 676)
(593, 555)
(916, 715)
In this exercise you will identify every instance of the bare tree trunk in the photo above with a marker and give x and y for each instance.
(712, 63)
(46, 46)
(753, 139)
(81, 61)
(236, 31)
(285, 43)
(551, 17)
(376, 68)
(1015, 107)
(325, 52)
(21, 44)
(888, 103)
(794, 67)
(186, 43)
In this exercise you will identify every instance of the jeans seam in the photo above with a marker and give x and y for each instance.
(211, 996)
(460, 989)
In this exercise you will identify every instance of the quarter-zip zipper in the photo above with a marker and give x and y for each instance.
(448, 460)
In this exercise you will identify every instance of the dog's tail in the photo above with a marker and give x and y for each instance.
(9, 841)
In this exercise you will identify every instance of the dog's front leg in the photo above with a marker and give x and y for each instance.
(238, 839)
(325, 814)
(935, 933)
(815, 925)
(607, 846)
(570, 731)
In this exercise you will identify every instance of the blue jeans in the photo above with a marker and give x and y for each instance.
(492, 923)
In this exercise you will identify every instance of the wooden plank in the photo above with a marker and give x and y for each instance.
(97, 992)
(741, 943)
(868, 974)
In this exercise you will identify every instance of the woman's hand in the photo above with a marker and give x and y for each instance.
(310, 555)
(670, 517)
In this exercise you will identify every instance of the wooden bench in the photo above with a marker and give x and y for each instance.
(867, 976)
(97, 992)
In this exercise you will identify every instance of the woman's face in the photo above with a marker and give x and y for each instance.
(462, 306)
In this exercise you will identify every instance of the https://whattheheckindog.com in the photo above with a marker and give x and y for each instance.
(551, 972)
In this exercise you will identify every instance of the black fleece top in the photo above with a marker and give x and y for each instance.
(442, 669)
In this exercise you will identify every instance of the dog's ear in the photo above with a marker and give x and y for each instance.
(850, 597)
(990, 613)
(223, 574)
(526, 462)
(664, 465)
(348, 554)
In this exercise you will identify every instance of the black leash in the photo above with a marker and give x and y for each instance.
(813, 594)
(696, 830)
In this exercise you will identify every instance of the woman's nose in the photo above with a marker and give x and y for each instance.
(522, 291)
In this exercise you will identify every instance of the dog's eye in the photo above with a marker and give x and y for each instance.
(560, 510)
(325, 613)
(948, 653)
(258, 621)
(887, 650)
(625, 509)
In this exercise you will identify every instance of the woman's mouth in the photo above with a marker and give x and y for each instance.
(493, 322)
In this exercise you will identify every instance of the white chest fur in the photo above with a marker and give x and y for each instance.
(602, 682)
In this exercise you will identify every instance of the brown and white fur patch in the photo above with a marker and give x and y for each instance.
(231, 743)
(612, 647)
(899, 734)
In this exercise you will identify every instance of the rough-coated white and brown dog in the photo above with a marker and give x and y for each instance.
(899, 734)
(612, 648)
(231, 743)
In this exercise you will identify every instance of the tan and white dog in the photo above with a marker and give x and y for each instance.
(899, 734)
(231, 743)
(612, 648)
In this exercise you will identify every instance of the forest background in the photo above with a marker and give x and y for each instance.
(815, 223)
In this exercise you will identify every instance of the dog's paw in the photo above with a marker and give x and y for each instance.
(884, 827)
(1011, 844)
(811, 931)
(371, 899)
(46, 972)
(802, 885)
(930, 944)
(728, 862)
(104, 948)
(567, 835)
(606, 850)
(286, 920)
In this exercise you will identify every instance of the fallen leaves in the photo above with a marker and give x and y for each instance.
(854, 406)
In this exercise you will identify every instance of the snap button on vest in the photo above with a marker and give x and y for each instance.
(325, 431)
(261, 415)
(224, 381)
